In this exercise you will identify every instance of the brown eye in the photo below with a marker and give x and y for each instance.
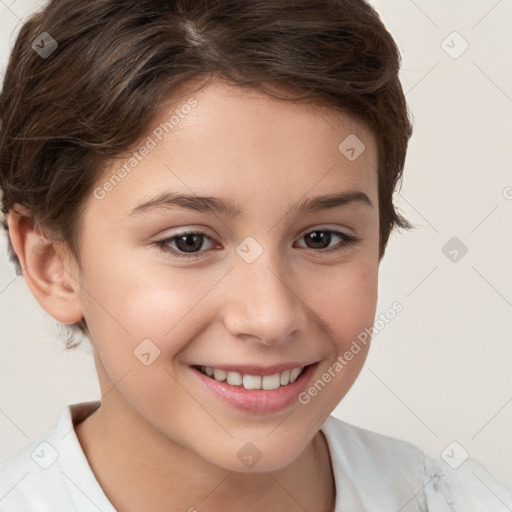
(321, 239)
(189, 242)
(186, 245)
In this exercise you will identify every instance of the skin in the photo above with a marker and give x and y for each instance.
(160, 440)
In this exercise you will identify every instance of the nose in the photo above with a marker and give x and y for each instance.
(261, 302)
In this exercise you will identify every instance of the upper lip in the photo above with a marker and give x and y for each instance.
(248, 369)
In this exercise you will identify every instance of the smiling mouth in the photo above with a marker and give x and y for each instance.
(247, 381)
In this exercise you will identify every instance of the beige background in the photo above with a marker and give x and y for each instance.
(440, 371)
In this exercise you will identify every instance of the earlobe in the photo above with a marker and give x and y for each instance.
(51, 277)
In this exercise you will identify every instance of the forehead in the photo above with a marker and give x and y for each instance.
(231, 141)
(236, 115)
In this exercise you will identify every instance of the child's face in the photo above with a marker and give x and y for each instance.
(276, 298)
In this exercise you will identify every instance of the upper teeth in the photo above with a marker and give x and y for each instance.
(254, 381)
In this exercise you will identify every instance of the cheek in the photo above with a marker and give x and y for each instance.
(140, 320)
(124, 306)
(346, 301)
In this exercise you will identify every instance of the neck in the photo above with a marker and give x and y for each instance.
(139, 469)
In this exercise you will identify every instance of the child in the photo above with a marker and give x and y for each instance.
(203, 188)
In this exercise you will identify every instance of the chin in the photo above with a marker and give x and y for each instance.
(258, 456)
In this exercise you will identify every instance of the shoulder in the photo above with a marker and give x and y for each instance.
(373, 471)
(374, 468)
(51, 473)
(466, 485)
(368, 449)
(29, 475)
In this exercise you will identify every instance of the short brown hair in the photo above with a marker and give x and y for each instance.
(62, 117)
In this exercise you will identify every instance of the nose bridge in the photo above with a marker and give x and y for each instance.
(262, 302)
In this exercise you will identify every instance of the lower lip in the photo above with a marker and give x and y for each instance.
(258, 400)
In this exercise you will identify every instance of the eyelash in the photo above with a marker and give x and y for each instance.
(349, 240)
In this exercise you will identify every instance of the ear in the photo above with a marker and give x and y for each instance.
(51, 274)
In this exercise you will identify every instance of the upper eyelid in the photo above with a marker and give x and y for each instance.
(214, 242)
(327, 226)
(201, 231)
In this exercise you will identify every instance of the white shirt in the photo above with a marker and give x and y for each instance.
(372, 472)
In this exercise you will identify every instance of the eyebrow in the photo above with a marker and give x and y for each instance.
(209, 204)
